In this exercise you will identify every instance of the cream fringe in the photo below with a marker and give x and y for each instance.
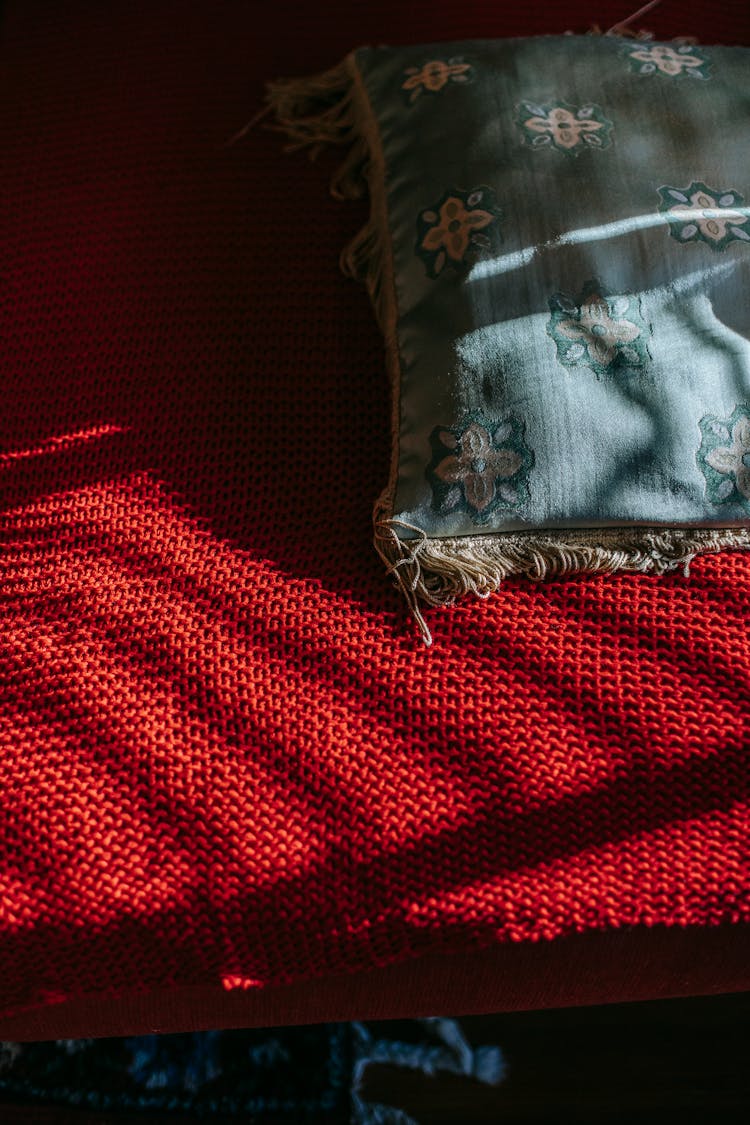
(437, 571)
(320, 111)
(327, 110)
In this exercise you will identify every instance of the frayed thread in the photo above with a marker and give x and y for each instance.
(316, 111)
(320, 111)
(624, 29)
(402, 560)
(436, 572)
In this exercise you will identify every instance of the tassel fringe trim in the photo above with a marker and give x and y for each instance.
(321, 111)
(436, 572)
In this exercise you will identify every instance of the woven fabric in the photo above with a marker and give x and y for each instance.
(564, 343)
(224, 756)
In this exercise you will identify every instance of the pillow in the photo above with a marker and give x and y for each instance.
(558, 253)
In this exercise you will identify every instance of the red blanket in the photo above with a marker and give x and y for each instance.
(226, 757)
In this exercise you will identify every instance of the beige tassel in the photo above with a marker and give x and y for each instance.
(438, 571)
(325, 110)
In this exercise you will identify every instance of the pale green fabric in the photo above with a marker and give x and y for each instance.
(586, 361)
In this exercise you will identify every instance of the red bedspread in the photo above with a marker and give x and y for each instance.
(226, 757)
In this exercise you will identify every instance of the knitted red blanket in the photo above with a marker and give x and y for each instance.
(225, 756)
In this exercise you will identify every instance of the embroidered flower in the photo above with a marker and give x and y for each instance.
(724, 456)
(569, 128)
(480, 468)
(449, 232)
(703, 214)
(660, 58)
(597, 331)
(434, 76)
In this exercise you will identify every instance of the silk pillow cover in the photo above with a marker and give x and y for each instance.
(558, 253)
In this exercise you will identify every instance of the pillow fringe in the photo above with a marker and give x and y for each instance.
(315, 111)
(438, 571)
(321, 111)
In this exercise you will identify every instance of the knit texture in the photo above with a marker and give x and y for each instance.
(225, 757)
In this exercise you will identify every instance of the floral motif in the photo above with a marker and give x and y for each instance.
(480, 468)
(449, 232)
(597, 331)
(703, 214)
(571, 129)
(672, 61)
(724, 456)
(434, 76)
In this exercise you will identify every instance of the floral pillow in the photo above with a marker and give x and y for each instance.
(558, 253)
